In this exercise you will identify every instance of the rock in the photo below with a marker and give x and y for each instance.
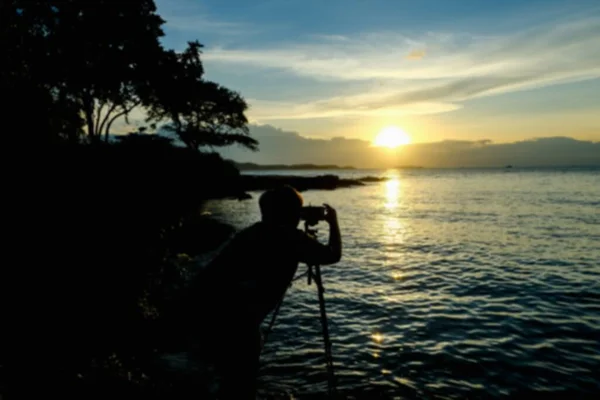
(372, 179)
(300, 183)
(244, 196)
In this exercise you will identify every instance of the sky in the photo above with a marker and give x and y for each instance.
(441, 70)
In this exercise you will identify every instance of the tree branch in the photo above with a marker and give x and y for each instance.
(108, 125)
(105, 119)
(122, 113)
(98, 114)
(87, 109)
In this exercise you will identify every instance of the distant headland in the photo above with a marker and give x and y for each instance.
(301, 183)
(265, 167)
(248, 166)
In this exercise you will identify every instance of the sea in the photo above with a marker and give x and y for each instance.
(454, 283)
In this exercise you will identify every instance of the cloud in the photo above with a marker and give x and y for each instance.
(382, 55)
(340, 107)
(455, 68)
(203, 24)
(195, 23)
(284, 147)
(191, 17)
(416, 54)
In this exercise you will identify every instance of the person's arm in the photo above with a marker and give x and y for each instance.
(335, 237)
(312, 252)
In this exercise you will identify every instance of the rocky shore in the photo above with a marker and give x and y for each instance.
(249, 183)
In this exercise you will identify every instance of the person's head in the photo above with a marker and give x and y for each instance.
(281, 206)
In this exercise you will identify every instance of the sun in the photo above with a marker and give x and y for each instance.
(391, 137)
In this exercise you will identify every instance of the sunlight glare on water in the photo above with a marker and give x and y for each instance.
(453, 283)
(396, 275)
(392, 192)
(377, 337)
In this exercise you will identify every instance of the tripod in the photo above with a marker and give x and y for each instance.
(314, 274)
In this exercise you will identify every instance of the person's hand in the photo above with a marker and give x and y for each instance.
(330, 214)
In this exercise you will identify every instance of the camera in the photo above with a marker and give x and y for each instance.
(312, 214)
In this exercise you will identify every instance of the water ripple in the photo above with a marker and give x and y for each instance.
(476, 285)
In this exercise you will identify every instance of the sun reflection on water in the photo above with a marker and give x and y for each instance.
(392, 229)
(392, 225)
(392, 193)
(377, 337)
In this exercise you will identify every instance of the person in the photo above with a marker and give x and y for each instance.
(249, 277)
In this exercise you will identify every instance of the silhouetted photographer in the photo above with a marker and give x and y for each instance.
(250, 276)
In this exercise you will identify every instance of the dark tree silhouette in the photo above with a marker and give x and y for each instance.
(200, 113)
(88, 58)
(106, 222)
(81, 65)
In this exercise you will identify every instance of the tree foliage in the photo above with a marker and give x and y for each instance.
(86, 58)
(105, 222)
(81, 65)
(201, 113)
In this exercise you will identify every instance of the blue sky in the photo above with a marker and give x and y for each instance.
(439, 69)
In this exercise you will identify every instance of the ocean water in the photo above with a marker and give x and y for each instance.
(453, 284)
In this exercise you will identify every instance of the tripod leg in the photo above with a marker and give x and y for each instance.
(325, 325)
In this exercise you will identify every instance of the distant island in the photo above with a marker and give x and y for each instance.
(259, 167)
(248, 166)
(301, 183)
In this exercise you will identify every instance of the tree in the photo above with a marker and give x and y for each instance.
(88, 58)
(199, 112)
(70, 69)
(29, 75)
(119, 45)
(80, 65)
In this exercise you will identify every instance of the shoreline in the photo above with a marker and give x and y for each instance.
(254, 183)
